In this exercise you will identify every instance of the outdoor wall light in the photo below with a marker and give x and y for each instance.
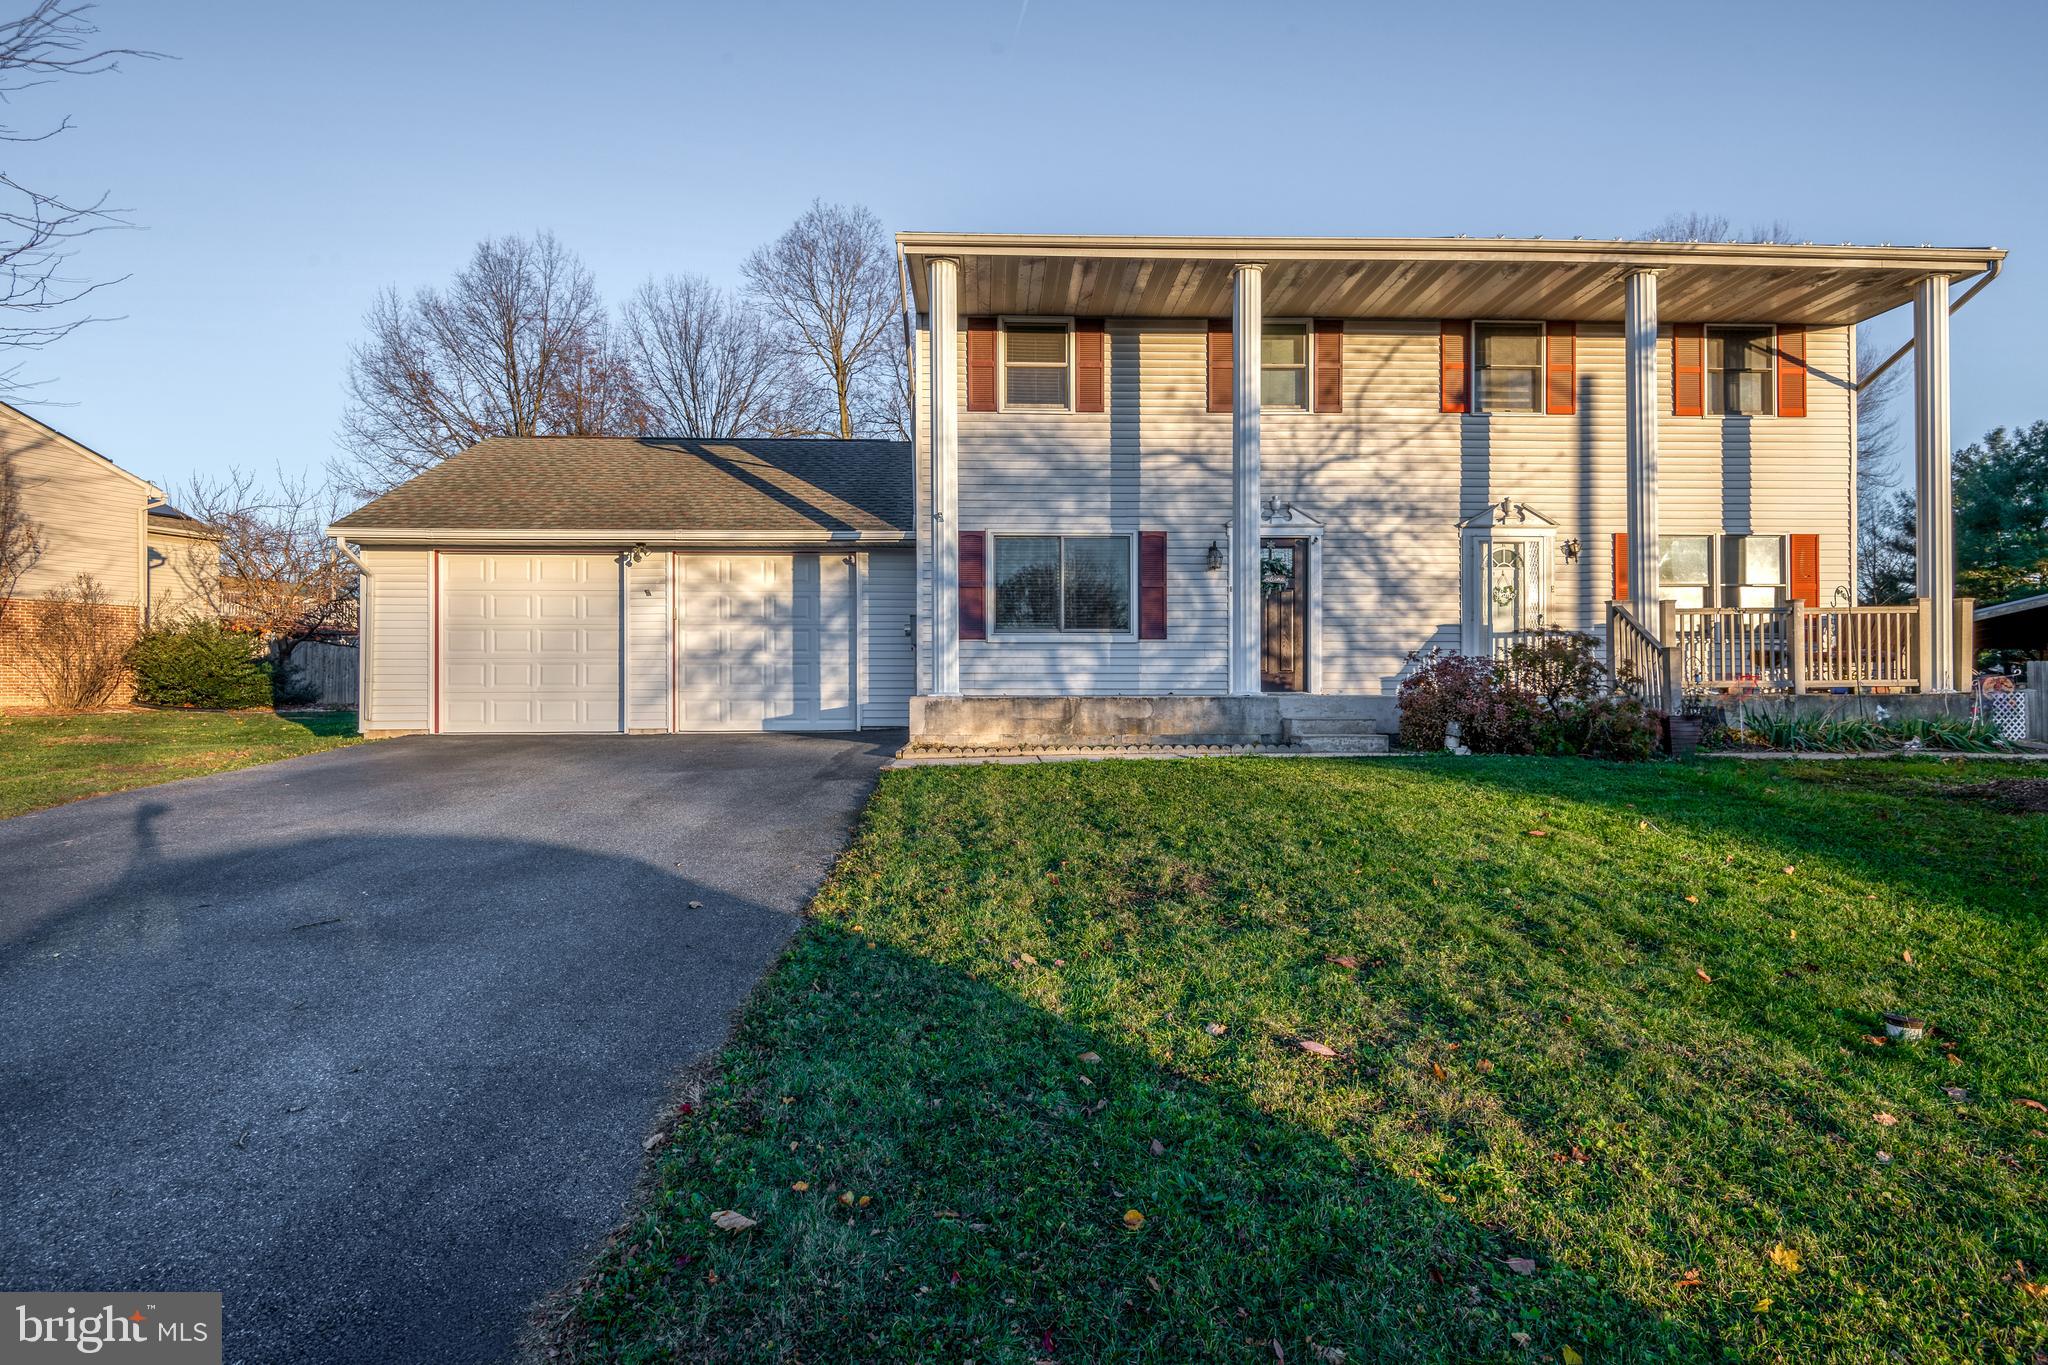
(637, 553)
(1571, 550)
(1215, 556)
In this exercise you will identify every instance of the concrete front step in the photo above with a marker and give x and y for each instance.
(1303, 727)
(1342, 744)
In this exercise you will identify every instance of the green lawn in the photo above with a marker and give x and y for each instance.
(1603, 1084)
(48, 760)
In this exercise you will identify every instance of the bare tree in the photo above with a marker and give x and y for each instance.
(280, 577)
(515, 346)
(710, 365)
(1713, 227)
(78, 643)
(829, 283)
(597, 393)
(38, 228)
(21, 536)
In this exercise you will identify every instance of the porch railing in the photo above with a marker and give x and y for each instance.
(1791, 648)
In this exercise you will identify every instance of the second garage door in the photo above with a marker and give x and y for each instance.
(764, 642)
(530, 643)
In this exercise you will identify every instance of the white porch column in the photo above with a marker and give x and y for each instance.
(1246, 335)
(943, 284)
(1641, 332)
(1934, 540)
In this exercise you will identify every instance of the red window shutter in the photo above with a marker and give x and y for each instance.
(1455, 387)
(1329, 365)
(1791, 370)
(1089, 339)
(1688, 369)
(1561, 367)
(1806, 569)
(973, 585)
(981, 364)
(1620, 566)
(1219, 365)
(1152, 585)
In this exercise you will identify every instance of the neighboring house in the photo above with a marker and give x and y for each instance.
(1214, 487)
(605, 584)
(182, 576)
(95, 518)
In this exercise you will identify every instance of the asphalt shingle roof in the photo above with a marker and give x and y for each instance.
(625, 483)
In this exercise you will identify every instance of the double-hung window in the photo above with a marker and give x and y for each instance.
(1283, 365)
(1685, 569)
(1741, 370)
(1062, 583)
(1757, 564)
(1035, 365)
(1510, 356)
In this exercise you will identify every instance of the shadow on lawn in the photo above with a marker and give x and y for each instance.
(1000, 1179)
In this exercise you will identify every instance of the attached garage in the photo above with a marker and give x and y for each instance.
(572, 585)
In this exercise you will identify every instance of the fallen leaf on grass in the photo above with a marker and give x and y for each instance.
(1158, 1147)
(1884, 1158)
(1701, 973)
(1572, 1357)
(1762, 1306)
(1314, 1048)
(1347, 962)
(726, 1220)
(1955, 1092)
(1520, 1338)
(2034, 1291)
(2032, 1104)
(1521, 1265)
(801, 1186)
(1436, 1069)
(1790, 869)
(1090, 1058)
(1884, 1118)
(1692, 900)
(1133, 1219)
(1785, 1258)
(1215, 1030)
(1538, 833)
(1484, 1066)
(1154, 1282)
(1689, 1280)
(846, 1198)
(1907, 957)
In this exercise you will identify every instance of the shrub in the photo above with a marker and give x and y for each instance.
(1615, 727)
(1493, 715)
(202, 664)
(79, 645)
(1565, 679)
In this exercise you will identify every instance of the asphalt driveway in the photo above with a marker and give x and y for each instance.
(370, 1040)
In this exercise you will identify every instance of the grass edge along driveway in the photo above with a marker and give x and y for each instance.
(1404, 1060)
(48, 760)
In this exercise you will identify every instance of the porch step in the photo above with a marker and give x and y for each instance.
(1295, 728)
(1369, 742)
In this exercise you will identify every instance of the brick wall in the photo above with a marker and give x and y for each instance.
(20, 677)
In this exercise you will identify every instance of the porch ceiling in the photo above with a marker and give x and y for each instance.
(1367, 277)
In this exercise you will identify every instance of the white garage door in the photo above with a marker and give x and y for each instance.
(764, 642)
(529, 643)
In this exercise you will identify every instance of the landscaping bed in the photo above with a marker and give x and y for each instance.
(47, 759)
(1417, 1059)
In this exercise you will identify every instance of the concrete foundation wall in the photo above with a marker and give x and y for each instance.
(970, 722)
(1897, 706)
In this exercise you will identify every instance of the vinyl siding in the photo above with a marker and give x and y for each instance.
(91, 514)
(399, 690)
(888, 654)
(1389, 478)
(648, 614)
(184, 576)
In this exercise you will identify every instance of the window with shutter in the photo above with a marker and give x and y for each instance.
(1510, 356)
(1035, 365)
(1741, 376)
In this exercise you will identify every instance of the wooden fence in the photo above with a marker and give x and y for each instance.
(328, 670)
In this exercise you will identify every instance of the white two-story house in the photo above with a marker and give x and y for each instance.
(1170, 487)
(1268, 471)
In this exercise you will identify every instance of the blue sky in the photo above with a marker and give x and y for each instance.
(295, 159)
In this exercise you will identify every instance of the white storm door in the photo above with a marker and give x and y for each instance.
(529, 643)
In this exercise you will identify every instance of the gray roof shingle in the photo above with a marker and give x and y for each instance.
(655, 484)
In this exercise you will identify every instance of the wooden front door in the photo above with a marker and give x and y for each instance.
(1283, 601)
